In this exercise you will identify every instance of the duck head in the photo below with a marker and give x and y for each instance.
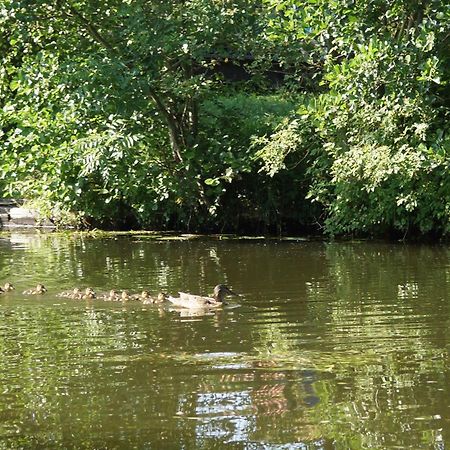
(8, 287)
(40, 289)
(221, 291)
(89, 293)
(161, 297)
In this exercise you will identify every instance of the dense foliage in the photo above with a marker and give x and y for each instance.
(377, 137)
(229, 115)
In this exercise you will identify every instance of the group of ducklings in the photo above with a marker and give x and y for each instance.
(89, 293)
(39, 289)
(113, 296)
(184, 300)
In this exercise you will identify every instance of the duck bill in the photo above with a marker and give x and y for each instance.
(230, 292)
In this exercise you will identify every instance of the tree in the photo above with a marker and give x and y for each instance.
(162, 50)
(377, 138)
(91, 83)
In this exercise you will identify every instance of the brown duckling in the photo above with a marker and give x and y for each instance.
(160, 298)
(74, 294)
(144, 295)
(111, 296)
(38, 290)
(149, 300)
(88, 294)
(125, 297)
(7, 287)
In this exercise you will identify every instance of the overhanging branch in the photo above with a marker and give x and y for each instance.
(97, 36)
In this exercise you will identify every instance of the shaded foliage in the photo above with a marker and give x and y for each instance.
(377, 138)
(120, 114)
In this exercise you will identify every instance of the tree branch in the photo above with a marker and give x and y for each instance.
(174, 131)
(89, 26)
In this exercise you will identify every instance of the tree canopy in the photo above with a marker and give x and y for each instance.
(229, 115)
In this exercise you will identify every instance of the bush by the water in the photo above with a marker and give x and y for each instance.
(239, 116)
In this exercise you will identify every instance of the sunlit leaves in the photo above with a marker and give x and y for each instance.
(376, 161)
(113, 105)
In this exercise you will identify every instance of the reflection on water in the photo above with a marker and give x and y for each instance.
(332, 346)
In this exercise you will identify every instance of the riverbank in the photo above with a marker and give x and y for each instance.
(13, 214)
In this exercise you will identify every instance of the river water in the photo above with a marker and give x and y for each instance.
(330, 346)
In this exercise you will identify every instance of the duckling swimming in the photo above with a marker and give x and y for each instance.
(38, 290)
(160, 298)
(125, 297)
(74, 294)
(216, 299)
(146, 298)
(111, 296)
(7, 287)
(88, 294)
(144, 295)
(149, 300)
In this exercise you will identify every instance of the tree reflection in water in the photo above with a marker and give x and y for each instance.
(333, 346)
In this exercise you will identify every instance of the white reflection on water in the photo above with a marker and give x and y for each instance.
(408, 290)
(215, 355)
(291, 445)
(226, 403)
(223, 415)
(163, 274)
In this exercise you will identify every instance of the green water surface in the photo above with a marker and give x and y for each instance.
(331, 346)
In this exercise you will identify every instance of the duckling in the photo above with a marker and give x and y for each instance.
(111, 296)
(7, 287)
(38, 290)
(88, 294)
(74, 294)
(144, 295)
(160, 298)
(125, 297)
(149, 300)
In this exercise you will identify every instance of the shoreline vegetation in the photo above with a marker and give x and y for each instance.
(315, 118)
(180, 236)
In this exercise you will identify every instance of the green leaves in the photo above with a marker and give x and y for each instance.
(123, 109)
(370, 138)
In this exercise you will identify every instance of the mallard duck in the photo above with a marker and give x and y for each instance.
(88, 294)
(216, 299)
(149, 300)
(7, 287)
(38, 290)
